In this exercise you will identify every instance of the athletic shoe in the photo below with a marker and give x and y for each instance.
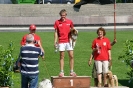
(61, 74)
(73, 74)
(106, 85)
(99, 84)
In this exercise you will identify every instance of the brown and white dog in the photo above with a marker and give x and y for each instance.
(112, 80)
(73, 37)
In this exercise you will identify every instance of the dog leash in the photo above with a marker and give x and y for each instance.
(46, 69)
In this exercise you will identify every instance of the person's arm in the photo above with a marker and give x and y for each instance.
(95, 47)
(55, 38)
(43, 57)
(23, 41)
(39, 43)
(109, 51)
(113, 42)
(90, 60)
(42, 54)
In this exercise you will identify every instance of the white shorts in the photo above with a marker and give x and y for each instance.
(102, 66)
(65, 46)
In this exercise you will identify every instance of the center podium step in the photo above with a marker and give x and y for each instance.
(71, 82)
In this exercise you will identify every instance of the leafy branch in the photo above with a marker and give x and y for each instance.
(127, 57)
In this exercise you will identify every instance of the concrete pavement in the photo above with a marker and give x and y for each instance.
(81, 28)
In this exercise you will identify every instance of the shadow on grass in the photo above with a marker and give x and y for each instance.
(124, 82)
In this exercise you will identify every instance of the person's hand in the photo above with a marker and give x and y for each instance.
(98, 47)
(115, 41)
(89, 62)
(55, 45)
(43, 58)
(109, 58)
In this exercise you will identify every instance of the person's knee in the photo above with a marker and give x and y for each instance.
(99, 73)
(62, 55)
(71, 57)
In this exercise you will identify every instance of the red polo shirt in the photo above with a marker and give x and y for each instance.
(104, 45)
(63, 29)
(36, 38)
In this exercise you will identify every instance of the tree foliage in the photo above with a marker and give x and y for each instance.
(127, 57)
(6, 65)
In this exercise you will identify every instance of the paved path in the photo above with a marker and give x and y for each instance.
(81, 28)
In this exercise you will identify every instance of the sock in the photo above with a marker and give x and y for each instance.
(71, 71)
(61, 71)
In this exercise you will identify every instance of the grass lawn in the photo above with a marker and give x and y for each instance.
(81, 54)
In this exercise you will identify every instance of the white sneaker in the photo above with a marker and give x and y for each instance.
(73, 74)
(61, 74)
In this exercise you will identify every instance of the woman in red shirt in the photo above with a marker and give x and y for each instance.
(102, 54)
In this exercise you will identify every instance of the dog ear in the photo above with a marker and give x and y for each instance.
(110, 75)
(72, 30)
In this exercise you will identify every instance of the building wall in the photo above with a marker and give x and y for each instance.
(5, 2)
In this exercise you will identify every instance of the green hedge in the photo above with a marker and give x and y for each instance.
(23, 1)
(14, 1)
(124, 1)
(118, 1)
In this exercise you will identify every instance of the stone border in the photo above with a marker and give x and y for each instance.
(78, 20)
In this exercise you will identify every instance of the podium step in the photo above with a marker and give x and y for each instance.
(71, 82)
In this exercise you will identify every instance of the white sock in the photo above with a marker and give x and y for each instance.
(62, 71)
(71, 71)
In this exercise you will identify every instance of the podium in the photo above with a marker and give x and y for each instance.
(71, 82)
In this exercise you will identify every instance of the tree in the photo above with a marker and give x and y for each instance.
(6, 65)
(127, 57)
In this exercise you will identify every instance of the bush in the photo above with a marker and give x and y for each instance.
(14, 1)
(127, 57)
(118, 1)
(6, 65)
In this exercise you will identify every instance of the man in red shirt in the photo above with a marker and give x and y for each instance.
(37, 43)
(102, 55)
(37, 40)
(61, 38)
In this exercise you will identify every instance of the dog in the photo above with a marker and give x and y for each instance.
(45, 83)
(73, 37)
(112, 79)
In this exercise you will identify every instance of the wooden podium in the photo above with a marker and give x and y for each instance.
(71, 82)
